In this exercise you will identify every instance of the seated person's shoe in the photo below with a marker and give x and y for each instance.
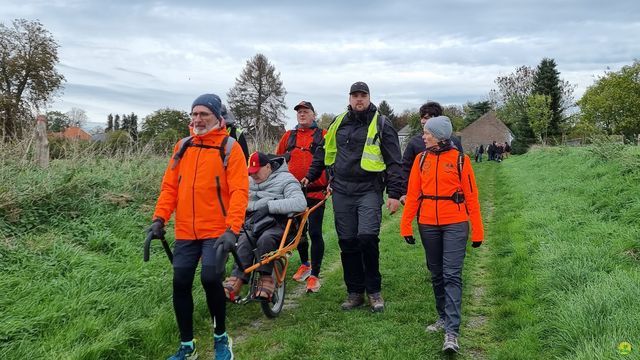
(232, 286)
(266, 287)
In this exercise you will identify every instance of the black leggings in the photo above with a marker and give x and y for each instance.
(186, 256)
(314, 227)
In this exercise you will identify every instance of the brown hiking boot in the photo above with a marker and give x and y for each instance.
(353, 301)
(376, 302)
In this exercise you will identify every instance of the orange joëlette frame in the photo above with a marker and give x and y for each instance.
(283, 250)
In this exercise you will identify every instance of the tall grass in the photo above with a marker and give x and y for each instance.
(560, 268)
(565, 263)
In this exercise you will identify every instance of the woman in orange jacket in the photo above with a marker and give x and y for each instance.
(443, 195)
(207, 186)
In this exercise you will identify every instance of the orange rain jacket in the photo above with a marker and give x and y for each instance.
(301, 158)
(439, 177)
(206, 198)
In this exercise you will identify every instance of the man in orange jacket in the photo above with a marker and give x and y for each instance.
(299, 145)
(442, 192)
(206, 184)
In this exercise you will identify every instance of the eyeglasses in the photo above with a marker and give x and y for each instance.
(203, 115)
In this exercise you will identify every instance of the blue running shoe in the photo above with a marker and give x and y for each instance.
(185, 352)
(222, 344)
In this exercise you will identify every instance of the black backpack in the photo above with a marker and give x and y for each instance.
(291, 143)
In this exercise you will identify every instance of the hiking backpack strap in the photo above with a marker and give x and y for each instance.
(460, 165)
(291, 141)
(225, 149)
(226, 145)
(184, 144)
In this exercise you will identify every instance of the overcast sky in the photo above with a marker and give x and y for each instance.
(140, 56)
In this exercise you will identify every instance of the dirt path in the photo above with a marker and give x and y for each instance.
(475, 335)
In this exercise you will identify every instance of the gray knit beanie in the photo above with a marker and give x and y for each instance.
(211, 101)
(440, 127)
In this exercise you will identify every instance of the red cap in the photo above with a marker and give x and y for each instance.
(256, 161)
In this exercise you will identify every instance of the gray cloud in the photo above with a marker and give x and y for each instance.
(144, 55)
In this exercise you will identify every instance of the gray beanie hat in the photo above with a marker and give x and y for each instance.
(440, 127)
(211, 101)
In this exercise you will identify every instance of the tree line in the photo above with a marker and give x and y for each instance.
(534, 102)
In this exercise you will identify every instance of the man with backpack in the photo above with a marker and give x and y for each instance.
(298, 146)
(235, 131)
(428, 110)
(362, 154)
(206, 184)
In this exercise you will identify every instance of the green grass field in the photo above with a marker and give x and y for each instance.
(558, 276)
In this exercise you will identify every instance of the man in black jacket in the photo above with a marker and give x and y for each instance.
(416, 145)
(359, 175)
(234, 131)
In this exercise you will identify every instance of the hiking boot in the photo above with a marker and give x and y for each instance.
(232, 286)
(450, 343)
(222, 345)
(376, 302)
(304, 271)
(185, 352)
(436, 326)
(313, 284)
(353, 301)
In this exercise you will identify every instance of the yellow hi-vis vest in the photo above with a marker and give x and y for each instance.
(371, 159)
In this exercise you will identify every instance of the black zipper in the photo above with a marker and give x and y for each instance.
(437, 162)
(193, 193)
(224, 212)
(470, 184)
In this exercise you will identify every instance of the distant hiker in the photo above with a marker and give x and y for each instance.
(273, 194)
(480, 152)
(492, 151)
(507, 149)
(235, 131)
(299, 145)
(206, 185)
(443, 193)
(362, 153)
(416, 144)
(499, 152)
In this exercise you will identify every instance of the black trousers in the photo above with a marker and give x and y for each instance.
(314, 229)
(357, 220)
(186, 255)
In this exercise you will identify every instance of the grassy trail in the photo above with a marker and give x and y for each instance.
(556, 279)
(313, 326)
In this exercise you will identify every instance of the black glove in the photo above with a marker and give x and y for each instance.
(260, 213)
(476, 244)
(410, 240)
(227, 240)
(157, 229)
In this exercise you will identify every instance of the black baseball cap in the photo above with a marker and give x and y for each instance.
(304, 104)
(359, 87)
